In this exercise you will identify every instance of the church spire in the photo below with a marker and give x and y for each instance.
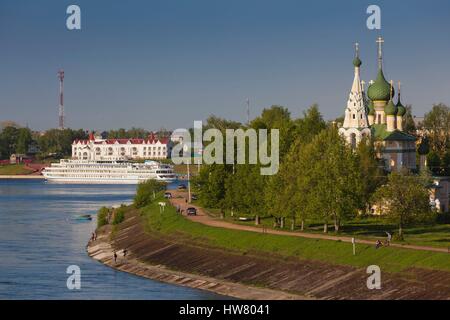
(380, 42)
(357, 62)
(380, 90)
(355, 114)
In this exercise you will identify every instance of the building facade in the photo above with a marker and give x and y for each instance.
(375, 116)
(118, 149)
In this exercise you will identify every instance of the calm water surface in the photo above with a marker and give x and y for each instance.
(39, 240)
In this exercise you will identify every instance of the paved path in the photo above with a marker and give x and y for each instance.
(179, 199)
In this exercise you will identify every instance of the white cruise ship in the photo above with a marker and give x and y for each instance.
(107, 172)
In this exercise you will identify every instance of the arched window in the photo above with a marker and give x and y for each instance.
(97, 151)
(110, 151)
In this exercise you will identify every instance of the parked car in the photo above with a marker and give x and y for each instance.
(167, 195)
(181, 187)
(191, 211)
(194, 197)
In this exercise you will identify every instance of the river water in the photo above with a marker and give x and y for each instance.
(39, 239)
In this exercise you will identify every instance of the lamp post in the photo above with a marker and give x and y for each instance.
(186, 149)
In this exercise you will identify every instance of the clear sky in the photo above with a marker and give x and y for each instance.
(166, 63)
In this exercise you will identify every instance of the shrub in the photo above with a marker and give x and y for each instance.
(102, 216)
(119, 215)
(145, 191)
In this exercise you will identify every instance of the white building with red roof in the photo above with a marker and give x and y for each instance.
(95, 149)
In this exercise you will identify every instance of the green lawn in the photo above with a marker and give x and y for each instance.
(14, 169)
(437, 235)
(171, 224)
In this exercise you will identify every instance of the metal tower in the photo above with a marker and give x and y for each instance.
(61, 98)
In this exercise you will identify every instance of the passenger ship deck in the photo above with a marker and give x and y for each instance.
(107, 172)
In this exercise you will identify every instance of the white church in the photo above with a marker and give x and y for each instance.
(375, 116)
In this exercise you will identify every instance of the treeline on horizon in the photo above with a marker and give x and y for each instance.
(56, 143)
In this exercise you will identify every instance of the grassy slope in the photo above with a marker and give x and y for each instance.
(14, 169)
(389, 259)
(437, 235)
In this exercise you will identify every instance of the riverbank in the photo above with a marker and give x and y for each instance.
(102, 251)
(21, 176)
(192, 260)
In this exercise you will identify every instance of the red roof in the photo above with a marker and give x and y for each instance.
(152, 139)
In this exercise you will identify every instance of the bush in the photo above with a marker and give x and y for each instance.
(119, 215)
(145, 191)
(102, 217)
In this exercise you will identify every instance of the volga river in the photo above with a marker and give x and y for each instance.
(39, 239)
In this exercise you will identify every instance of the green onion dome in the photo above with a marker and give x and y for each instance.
(380, 90)
(371, 108)
(390, 109)
(357, 62)
(401, 110)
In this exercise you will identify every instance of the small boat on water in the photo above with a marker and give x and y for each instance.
(84, 217)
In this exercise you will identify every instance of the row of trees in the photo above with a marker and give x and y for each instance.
(320, 177)
(57, 142)
(436, 127)
(14, 140)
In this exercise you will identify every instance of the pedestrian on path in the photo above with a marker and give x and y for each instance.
(378, 244)
(388, 239)
(115, 257)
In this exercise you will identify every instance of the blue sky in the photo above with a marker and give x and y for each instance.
(166, 63)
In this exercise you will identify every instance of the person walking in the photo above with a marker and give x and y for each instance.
(388, 238)
(115, 257)
(378, 244)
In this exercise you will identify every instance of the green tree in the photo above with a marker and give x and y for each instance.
(9, 137)
(445, 164)
(434, 162)
(220, 123)
(56, 141)
(276, 117)
(410, 125)
(210, 185)
(333, 177)
(404, 200)
(24, 140)
(146, 192)
(310, 125)
(437, 125)
(370, 169)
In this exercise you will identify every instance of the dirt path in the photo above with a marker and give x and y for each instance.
(179, 199)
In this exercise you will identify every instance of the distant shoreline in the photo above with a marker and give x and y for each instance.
(21, 176)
